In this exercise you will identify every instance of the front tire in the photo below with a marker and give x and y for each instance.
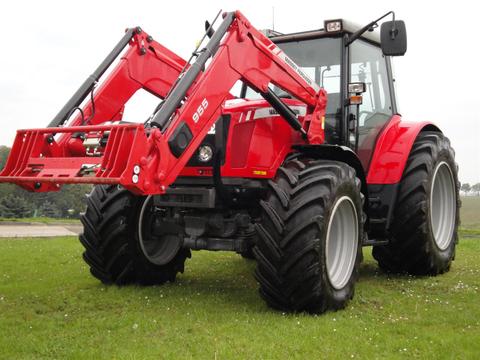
(111, 240)
(426, 216)
(309, 243)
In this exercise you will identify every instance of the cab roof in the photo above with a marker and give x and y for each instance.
(348, 27)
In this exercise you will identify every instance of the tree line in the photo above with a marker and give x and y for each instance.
(471, 189)
(15, 202)
(70, 201)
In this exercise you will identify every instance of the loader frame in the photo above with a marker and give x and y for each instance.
(148, 161)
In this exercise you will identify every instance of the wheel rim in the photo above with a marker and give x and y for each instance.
(342, 242)
(158, 245)
(443, 205)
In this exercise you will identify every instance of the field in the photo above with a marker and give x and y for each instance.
(50, 307)
(470, 212)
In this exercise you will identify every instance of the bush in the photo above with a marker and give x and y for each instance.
(49, 209)
(12, 206)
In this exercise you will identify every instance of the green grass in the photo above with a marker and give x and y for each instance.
(469, 233)
(50, 307)
(470, 212)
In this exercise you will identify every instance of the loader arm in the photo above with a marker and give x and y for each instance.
(146, 64)
(40, 162)
(148, 161)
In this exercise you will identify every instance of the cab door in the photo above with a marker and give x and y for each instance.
(369, 65)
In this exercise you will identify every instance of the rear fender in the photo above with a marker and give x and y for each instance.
(393, 148)
(386, 169)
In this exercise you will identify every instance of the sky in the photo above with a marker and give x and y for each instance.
(50, 47)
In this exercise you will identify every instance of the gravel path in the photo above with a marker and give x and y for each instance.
(38, 230)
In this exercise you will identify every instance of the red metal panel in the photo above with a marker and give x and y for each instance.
(392, 150)
(240, 144)
(258, 141)
(270, 140)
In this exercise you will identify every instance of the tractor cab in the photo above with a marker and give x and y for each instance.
(353, 64)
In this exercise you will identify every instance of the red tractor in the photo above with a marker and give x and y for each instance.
(309, 161)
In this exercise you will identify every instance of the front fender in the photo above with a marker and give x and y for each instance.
(393, 148)
(338, 153)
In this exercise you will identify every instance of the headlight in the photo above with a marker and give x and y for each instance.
(357, 88)
(333, 25)
(205, 153)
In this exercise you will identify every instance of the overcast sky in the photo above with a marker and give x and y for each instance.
(50, 47)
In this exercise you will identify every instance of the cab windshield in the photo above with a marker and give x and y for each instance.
(319, 59)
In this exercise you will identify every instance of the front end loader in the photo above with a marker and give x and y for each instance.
(300, 168)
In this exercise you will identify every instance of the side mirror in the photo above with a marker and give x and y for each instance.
(393, 35)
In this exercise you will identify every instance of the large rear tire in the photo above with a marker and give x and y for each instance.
(111, 238)
(309, 243)
(426, 216)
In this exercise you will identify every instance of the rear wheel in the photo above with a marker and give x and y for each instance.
(126, 241)
(310, 235)
(426, 216)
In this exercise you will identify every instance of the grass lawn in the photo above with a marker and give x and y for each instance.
(50, 307)
(470, 212)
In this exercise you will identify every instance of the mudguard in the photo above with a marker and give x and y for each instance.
(393, 148)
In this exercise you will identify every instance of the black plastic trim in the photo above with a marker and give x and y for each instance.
(216, 141)
(228, 181)
(180, 139)
(382, 199)
(191, 197)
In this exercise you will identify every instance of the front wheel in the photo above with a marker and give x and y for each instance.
(310, 236)
(426, 215)
(127, 241)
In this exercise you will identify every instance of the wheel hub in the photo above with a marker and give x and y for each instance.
(341, 242)
(443, 205)
(159, 240)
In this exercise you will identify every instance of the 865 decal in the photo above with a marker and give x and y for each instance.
(200, 110)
